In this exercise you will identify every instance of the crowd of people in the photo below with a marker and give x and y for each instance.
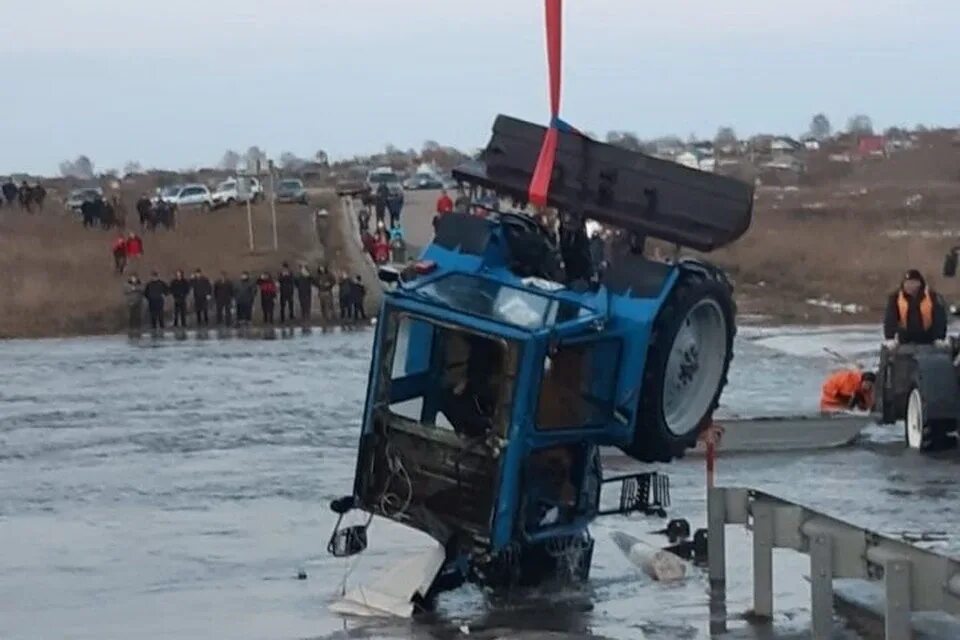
(233, 301)
(28, 197)
(386, 242)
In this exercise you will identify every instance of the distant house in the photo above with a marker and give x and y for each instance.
(784, 144)
(871, 146)
(811, 144)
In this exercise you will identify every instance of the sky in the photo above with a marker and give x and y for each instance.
(175, 83)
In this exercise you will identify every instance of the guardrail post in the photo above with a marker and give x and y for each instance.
(896, 578)
(716, 538)
(762, 559)
(821, 586)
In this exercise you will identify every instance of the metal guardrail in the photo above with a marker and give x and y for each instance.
(914, 579)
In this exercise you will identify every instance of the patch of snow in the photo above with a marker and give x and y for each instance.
(836, 307)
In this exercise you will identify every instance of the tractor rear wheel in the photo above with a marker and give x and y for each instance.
(922, 433)
(688, 359)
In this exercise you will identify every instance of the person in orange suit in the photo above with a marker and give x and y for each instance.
(848, 389)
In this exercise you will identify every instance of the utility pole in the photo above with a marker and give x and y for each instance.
(273, 206)
(241, 188)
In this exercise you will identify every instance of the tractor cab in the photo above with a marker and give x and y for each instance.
(503, 361)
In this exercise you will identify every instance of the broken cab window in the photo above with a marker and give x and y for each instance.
(578, 385)
(448, 378)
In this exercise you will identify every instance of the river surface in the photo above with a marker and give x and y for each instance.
(174, 489)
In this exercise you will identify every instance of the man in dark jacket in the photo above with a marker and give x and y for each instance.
(246, 293)
(179, 289)
(287, 284)
(358, 292)
(202, 292)
(305, 285)
(915, 314)
(380, 202)
(345, 290)
(154, 292)
(144, 209)
(223, 298)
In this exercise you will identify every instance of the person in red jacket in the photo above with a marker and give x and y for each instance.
(846, 390)
(444, 203)
(119, 253)
(134, 246)
(381, 249)
(268, 296)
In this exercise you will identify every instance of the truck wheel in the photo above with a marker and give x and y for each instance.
(690, 350)
(921, 433)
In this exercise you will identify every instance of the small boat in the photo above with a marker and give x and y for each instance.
(788, 433)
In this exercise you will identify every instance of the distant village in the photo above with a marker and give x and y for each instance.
(765, 159)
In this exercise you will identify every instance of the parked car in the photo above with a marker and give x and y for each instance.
(187, 196)
(422, 181)
(237, 191)
(168, 194)
(291, 190)
(78, 196)
(384, 175)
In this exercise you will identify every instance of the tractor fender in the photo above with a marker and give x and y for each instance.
(937, 381)
(705, 269)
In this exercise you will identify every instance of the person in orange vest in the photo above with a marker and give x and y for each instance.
(848, 389)
(915, 314)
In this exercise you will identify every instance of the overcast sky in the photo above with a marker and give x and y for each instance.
(174, 83)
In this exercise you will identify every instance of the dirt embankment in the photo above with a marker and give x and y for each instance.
(59, 277)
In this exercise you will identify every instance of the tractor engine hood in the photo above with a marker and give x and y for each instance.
(624, 189)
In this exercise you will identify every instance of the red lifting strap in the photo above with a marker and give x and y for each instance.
(540, 184)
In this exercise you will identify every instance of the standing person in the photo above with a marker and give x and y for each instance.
(444, 203)
(305, 284)
(358, 294)
(364, 217)
(380, 201)
(381, 248)
(144, 209)
(179, 288)
(344, 289)
(325, 283)
(119, 211)
(133, 293)
(202, 292)
(398, 248)
(268, 295)
(287, 284)
(119, 253)
(155, 293)
(395, 207)
(246, 293)
(223, 297)
(134, 247)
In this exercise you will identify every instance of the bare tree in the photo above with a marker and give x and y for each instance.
(726, 136)
(230, 161)
(860, 124)
(820, 127)
(255, 159)
(81, 168)
(291, 162)
(321, 158)
(131, 168)
(430, 145)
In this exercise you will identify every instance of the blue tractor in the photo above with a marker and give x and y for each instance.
(504, 360)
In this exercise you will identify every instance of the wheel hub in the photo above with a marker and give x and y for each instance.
(695, 366)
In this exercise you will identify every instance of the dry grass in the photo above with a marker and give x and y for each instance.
(60, 279)
(789, 256)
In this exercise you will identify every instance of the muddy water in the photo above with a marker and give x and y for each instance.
(174, 489)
